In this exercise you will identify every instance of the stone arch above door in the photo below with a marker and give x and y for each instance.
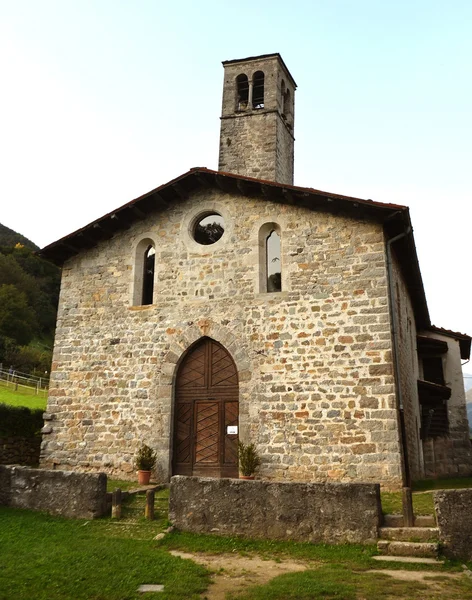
(206, 412)
(181, 341)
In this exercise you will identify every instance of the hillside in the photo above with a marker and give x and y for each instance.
(10, 238)
(29, 292)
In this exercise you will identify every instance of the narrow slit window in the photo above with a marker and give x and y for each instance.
(242, 85)
(258, 90)
(148, 275)
(287, 104)
(273, 266)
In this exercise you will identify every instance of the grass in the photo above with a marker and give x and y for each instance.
(270, 549)
(45, 557)
(50, 558)
(392, 503)
(22, 397)
(422, 495)
(338, 582)
(114, 484)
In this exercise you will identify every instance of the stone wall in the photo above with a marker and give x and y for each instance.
(74, 495)
(20, 451)
(408, 370)
(453, 511)
(316, 391)
(332, 513)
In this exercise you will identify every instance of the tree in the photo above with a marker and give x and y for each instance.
(17, 319)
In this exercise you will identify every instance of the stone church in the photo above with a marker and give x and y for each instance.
(231, 304)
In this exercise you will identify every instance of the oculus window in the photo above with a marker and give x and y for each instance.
(208, 229)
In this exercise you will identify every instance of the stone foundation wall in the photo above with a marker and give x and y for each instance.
(20, 451)
(74, 495)
(314, 361)
(310, 512)
(453, 511)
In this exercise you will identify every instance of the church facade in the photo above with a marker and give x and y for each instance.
(231, 304)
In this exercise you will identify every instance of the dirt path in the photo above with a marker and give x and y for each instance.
(234, 573)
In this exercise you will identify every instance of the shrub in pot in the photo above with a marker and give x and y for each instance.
(248, 460)
(145, 460)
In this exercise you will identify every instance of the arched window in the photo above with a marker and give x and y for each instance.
(144, 270)
(282, 95)
(258, 90)
(148, 275)
(287, 108)
(270, 258)
(274, 268)
(242, 92)
(287, 103)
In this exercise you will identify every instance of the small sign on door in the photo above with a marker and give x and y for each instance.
(232, 430)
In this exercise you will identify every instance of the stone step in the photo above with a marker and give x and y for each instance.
(420, 521)
(409, 534)
(423, 549)
(408, 559)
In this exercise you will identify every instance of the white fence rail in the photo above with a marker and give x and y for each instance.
(15, 380)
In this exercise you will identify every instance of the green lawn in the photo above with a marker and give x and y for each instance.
(422, 495)
(22, 397)
(340, 582)
(50, 558)
(114, 484)
(392, 503)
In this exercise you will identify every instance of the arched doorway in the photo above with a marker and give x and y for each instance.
(206, 414)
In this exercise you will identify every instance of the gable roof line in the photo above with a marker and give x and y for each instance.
(46, 251)
(394, 217)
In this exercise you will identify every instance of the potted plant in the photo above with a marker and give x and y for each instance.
(145, 461)
(248, 460)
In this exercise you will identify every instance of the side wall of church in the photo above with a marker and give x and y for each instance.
(408, 370)
(314, 360)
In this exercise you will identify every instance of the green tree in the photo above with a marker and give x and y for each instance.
(17, 318)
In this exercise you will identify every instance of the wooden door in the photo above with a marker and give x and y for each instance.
(206, 405)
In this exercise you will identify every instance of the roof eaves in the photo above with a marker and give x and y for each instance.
(463, 339)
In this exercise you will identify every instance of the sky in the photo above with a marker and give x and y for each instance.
(102, 101)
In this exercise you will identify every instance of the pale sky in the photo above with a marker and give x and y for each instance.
(104, 100)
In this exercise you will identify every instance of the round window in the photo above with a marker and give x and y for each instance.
(208, 229)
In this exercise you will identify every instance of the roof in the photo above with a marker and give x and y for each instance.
(463, 339)
(394, 217)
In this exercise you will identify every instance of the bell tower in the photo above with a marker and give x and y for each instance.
(257, 119)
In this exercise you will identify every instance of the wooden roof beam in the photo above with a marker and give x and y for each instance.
(120, 221)
(242, 187)
(138, 212)
(180, 191)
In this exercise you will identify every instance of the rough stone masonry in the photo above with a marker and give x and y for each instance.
(314, 361)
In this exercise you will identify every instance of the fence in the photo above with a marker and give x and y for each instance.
(16, 380)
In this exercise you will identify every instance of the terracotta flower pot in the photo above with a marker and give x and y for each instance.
(249, 477)
(144, 477)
